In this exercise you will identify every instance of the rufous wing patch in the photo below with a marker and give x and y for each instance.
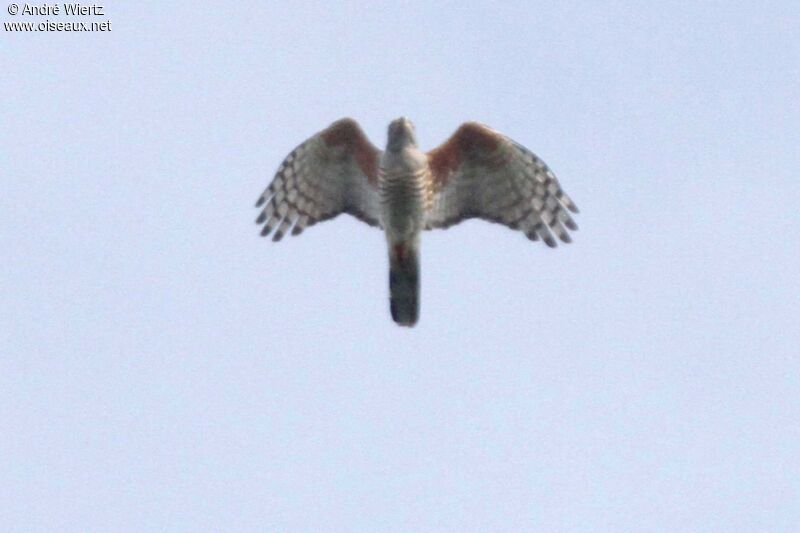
(346, 133)
(471, 140)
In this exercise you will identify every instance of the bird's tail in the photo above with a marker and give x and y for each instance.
(404, 283)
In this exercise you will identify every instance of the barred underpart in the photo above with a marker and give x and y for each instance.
(499, 180)
(476, 173)
(314, 183)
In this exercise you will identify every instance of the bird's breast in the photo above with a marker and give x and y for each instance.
(405, 196)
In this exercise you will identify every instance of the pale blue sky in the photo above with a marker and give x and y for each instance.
(165, 369)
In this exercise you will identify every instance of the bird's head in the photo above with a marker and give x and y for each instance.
(401, 134)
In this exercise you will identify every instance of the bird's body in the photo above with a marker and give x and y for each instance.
(403, 185)
(476, 173)
(404, 188)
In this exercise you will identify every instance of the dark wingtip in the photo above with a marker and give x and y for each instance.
(261, 201)
(265, 231)
(261, 218)
(571, 224)
(550, 241)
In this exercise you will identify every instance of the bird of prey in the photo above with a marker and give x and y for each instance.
(477, 173)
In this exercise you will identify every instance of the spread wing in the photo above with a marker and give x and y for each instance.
(333, 172)
(480, 173)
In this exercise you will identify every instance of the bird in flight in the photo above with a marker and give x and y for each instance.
(477, 173)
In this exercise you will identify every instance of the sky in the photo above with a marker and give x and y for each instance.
(163, 368)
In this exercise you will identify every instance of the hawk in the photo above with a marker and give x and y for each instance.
(477, 173)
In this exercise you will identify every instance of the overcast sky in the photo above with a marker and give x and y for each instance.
(163, 368)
